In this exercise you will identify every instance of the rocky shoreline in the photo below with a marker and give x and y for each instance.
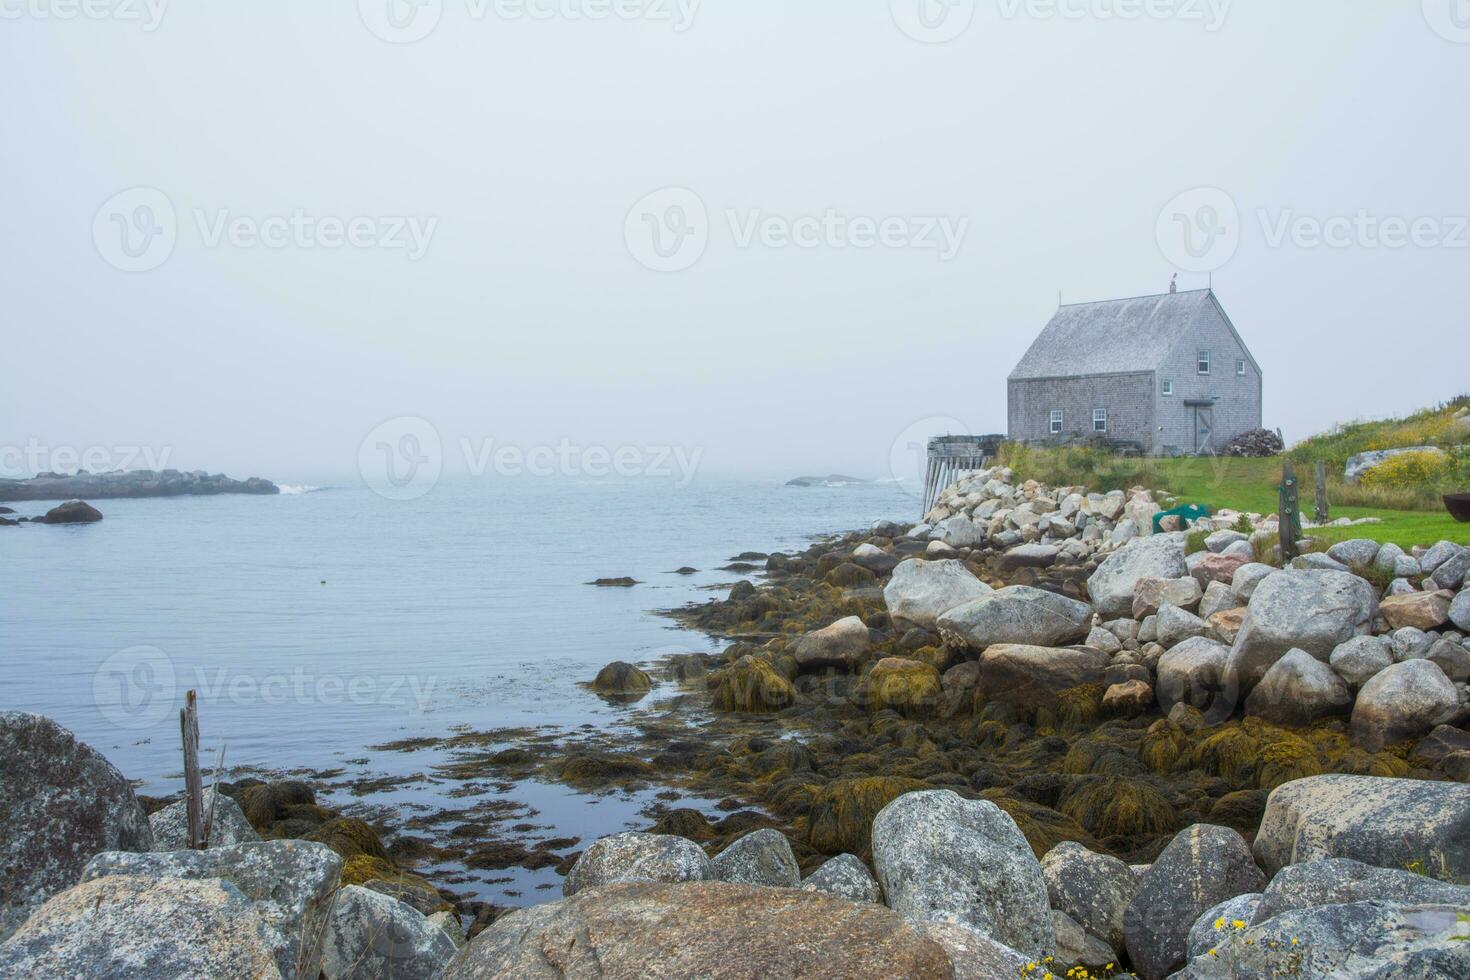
(1026, 737)
(130, 483)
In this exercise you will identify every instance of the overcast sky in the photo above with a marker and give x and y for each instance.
(247, 234)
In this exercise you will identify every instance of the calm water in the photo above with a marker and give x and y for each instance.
(315, 625)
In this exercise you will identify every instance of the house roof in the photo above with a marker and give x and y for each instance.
(1113, 336)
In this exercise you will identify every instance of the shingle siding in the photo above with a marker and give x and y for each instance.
(1128, 399)
(1237, 398)
(1160, 336)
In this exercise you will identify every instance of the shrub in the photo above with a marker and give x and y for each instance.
(1409, 470)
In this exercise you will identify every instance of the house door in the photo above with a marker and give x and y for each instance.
(1204, 428)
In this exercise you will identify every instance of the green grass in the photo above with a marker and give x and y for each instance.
(1239, 484)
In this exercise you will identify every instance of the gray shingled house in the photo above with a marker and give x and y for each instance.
(1168, 372)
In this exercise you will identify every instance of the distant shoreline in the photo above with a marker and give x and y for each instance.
(130, 484)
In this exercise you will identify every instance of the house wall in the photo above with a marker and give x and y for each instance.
(1237, 398)
(1129, 399)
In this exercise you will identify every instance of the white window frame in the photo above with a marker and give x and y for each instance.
(1168, 389)
(1240, 367)
(1099, 415)
(1202, 362)
(1056, 421)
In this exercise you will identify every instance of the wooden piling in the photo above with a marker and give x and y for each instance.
(193, 784)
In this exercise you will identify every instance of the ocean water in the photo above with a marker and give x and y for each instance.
(314, 625)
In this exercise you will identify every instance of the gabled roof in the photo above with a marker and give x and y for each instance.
(1113, 336)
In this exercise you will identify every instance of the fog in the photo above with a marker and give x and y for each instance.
(366, 226)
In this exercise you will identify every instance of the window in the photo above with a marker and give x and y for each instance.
(1168, 388)
(1099, 420)
(1056, 421)
(1240, 367)
(1204, 362)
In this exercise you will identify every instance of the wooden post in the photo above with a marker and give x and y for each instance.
(1322, 515)
(1288, 512)
(219, 765)
(193, 784)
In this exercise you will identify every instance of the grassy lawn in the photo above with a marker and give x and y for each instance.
(1250, 485)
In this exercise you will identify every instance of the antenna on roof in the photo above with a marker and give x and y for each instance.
(1212, 281)
(1059, 298)
(1174, 283)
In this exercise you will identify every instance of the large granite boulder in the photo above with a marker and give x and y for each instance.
(171, 825)
(712, 930)
(1460, 610)
(957, 532)
(141, 926)
(61, 803)
(1337, 881)
(1094, 889)
(1451, 573)
(846, 645)
(1360, 940)
(1392, 823)
(1221, 924)
(1202, 866)
(973, 956)
(1175, 625)
(637, 857)
(1298, 690)
(921, 591)
(1191, 673)
(1307, 610)
(1421, 610)
(1151, 594)
(1402, 701)
(1360, 658)
(1243, 583)
(1016, 614)
(845, 876)
(1112, 586)
(1031, 676)
(940, 857)
(762, 857)
(290, 882)
(371, 936)
(874, 559)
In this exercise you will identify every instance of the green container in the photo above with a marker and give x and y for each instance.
(1187, 513)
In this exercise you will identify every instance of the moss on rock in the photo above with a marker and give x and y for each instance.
(1119, 807)
(753, 684)
(842, 812)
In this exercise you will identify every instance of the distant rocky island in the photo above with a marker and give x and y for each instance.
(835, 480)
(133, 483)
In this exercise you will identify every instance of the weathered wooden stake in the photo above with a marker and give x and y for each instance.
(219, 766)
(1322, 515)
(1288, 512)
(193, 784)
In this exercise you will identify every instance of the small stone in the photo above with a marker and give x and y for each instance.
(847, 877)
(637, 857)
(762, 857)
